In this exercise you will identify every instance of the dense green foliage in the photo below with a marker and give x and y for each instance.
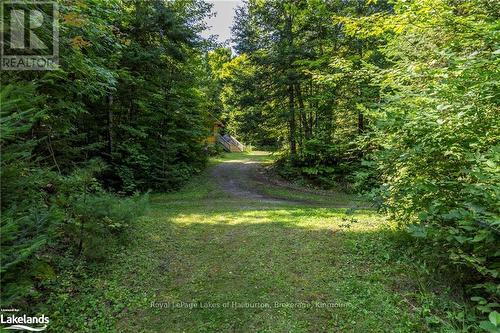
(438, 133)
(301, 82)
(399, 97)
(124, 112)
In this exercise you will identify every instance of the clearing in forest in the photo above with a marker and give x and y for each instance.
(232, 253)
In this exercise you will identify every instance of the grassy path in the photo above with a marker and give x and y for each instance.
(204, 260)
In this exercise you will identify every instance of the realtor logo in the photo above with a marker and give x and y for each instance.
(22, 323)
(29, 35)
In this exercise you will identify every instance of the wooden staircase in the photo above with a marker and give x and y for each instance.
(230, 144)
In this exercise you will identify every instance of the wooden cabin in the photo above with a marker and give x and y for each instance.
(229, 143)
(216, 127)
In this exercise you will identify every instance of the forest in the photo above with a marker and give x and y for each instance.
(392, 102)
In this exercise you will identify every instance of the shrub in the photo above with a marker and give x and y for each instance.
(439, 137)
(47, 215)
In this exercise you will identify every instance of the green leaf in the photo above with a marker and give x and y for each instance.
(490, 163)
(489, 327)
(494, 318)
(417, 231)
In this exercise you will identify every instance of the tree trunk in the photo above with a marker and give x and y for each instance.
(361, 123)
(110, 125)
(291, 120)
(291, 94)
(303, 116)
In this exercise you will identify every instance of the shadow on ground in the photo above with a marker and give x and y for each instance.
(282, 270)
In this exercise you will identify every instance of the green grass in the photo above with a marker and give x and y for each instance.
(212, 263)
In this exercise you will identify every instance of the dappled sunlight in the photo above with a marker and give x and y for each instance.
(314, 219)
(268, 256)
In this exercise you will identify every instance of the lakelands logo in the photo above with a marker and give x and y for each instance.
(29, 35)
(24, 322)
